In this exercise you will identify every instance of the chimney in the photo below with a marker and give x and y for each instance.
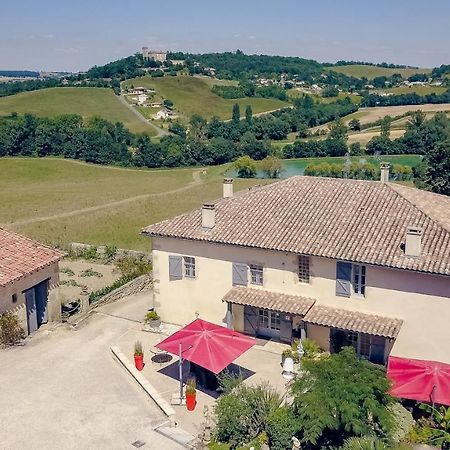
(413, 244)
(384, 166)
(228, 187)
(208, 216)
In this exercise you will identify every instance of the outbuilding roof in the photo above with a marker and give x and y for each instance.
(351, 220)
(353, 321)
(21, 256)
(260, 298)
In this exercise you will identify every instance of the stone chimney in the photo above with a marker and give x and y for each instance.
(228, 187)
(208, 216)
(384, 166)
(413, 244)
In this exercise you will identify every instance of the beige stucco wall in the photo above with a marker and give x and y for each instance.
(422, 301)
(18, 287)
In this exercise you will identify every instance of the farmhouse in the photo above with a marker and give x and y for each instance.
(157, 55)
(28, 271)
(340, 261)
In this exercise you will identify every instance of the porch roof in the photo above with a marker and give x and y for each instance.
(294, 304)
(353, 321)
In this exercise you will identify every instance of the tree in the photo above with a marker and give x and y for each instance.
(354, 125)
(438, 172)
(341, 396)
(385, 127)
(337, 130)
(245, 167)
(236, 114)
(249, 115)
(272, 166)
(177, 128)
(198, 127)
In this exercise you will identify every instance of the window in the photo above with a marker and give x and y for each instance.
(264, 318)
(256, 274)
(269, 319)
(303, 269)
(364, 346)
(275, 320)
(14, 298)
(359, 279)
(189, 267)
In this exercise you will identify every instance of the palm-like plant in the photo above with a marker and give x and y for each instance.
(363, 443)
(440, 435)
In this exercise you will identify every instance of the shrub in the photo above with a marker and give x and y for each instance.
(67, 271)
(11, 333)
(245, 167)
(89, 253)
(281, 426)
(110, 253)
(97, 295)
(91, 273)
(131, 266)
(70, 282)
(151, 315)
(191, 386)
(242, 414)
(404, 423)
(311, 348)
(228, 381)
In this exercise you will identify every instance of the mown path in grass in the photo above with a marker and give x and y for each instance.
(196, 180)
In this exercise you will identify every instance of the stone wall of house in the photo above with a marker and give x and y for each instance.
(78, 248)
(140, 284)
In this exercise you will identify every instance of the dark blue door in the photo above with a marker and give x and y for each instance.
(41, 296)
(31, 311)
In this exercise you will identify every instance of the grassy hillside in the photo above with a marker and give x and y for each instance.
(60, 201)
(419, 90)
(371, 72)
(83, 101)
(192, 95)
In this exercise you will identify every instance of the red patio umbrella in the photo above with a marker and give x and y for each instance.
(426, 381)
(209, 345)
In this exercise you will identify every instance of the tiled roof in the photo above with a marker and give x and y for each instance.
(20, 256)
(260, 298)
(353, 321)
(353, 220)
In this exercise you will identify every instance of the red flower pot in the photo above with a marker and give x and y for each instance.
(139, 361)
(191, 401)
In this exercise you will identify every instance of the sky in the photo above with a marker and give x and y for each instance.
(61, 35)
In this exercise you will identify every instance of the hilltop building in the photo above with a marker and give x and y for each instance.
(157, 55)
(343, 262)
(28, 272)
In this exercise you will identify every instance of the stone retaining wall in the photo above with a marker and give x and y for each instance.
(139, 284)
(78, 248)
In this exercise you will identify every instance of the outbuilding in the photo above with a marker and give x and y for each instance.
(28, 273)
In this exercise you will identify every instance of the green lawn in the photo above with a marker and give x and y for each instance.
(371, 72)
(86, 102)
(193, 95)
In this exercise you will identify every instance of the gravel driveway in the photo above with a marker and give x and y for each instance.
(64, 390)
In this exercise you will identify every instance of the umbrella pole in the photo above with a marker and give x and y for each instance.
(180, 367)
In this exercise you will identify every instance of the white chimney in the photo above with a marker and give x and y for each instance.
(413, 244)
(228, 187)
(208, 216)
(384, 166)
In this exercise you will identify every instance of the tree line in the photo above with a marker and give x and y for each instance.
(405, 99)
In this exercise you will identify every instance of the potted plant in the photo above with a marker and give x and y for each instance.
(191, 394)
(152, 319)
(138, 355)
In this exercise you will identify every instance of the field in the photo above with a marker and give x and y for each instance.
(368, 115)
(60, 201)
(192, 95)
(419, 90)
(371, 72)
(86, 102)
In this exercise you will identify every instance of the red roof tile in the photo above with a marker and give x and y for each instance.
(20, 256)
(353, 220)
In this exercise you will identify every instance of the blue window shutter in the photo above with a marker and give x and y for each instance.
(343, 279)
(240, 274)
(175, 267)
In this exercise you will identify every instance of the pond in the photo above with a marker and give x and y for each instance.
(293, 167)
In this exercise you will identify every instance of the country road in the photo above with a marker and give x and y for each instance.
(159, 131)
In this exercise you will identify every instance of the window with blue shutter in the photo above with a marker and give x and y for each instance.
(175, 267)
(343, 279)
(240, 274)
